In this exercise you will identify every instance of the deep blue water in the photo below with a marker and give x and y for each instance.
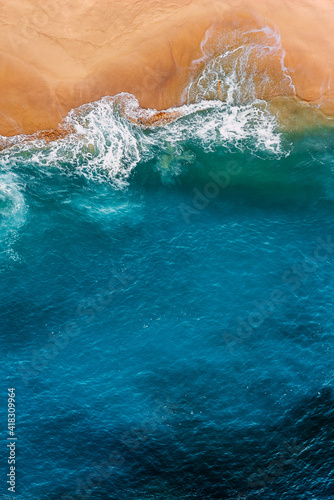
(164, 345)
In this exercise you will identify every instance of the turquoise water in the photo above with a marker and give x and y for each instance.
(167, 308)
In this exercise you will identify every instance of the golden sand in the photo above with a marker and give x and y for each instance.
(56, 55)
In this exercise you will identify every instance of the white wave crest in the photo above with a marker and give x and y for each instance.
(105, 143)
(13, 212)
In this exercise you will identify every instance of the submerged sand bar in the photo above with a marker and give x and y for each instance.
(56, 55)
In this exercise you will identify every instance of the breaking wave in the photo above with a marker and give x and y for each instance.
(13, 213)
(106, 142)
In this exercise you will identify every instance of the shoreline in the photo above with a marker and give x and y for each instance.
(63, 55)
(293, 117)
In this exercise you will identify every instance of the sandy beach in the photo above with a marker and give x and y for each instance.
(59, 54)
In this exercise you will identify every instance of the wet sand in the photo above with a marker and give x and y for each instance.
(59, 54)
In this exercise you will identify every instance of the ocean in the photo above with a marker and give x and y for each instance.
(167, 307)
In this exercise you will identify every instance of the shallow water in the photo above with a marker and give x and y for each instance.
(166, 308)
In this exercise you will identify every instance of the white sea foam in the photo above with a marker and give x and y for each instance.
(228, 65)
(13, 212)
(223, 110)
(106, 144)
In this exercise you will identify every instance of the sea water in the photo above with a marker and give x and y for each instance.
(167, 308)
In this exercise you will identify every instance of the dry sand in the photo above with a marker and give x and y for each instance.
(58, 54)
